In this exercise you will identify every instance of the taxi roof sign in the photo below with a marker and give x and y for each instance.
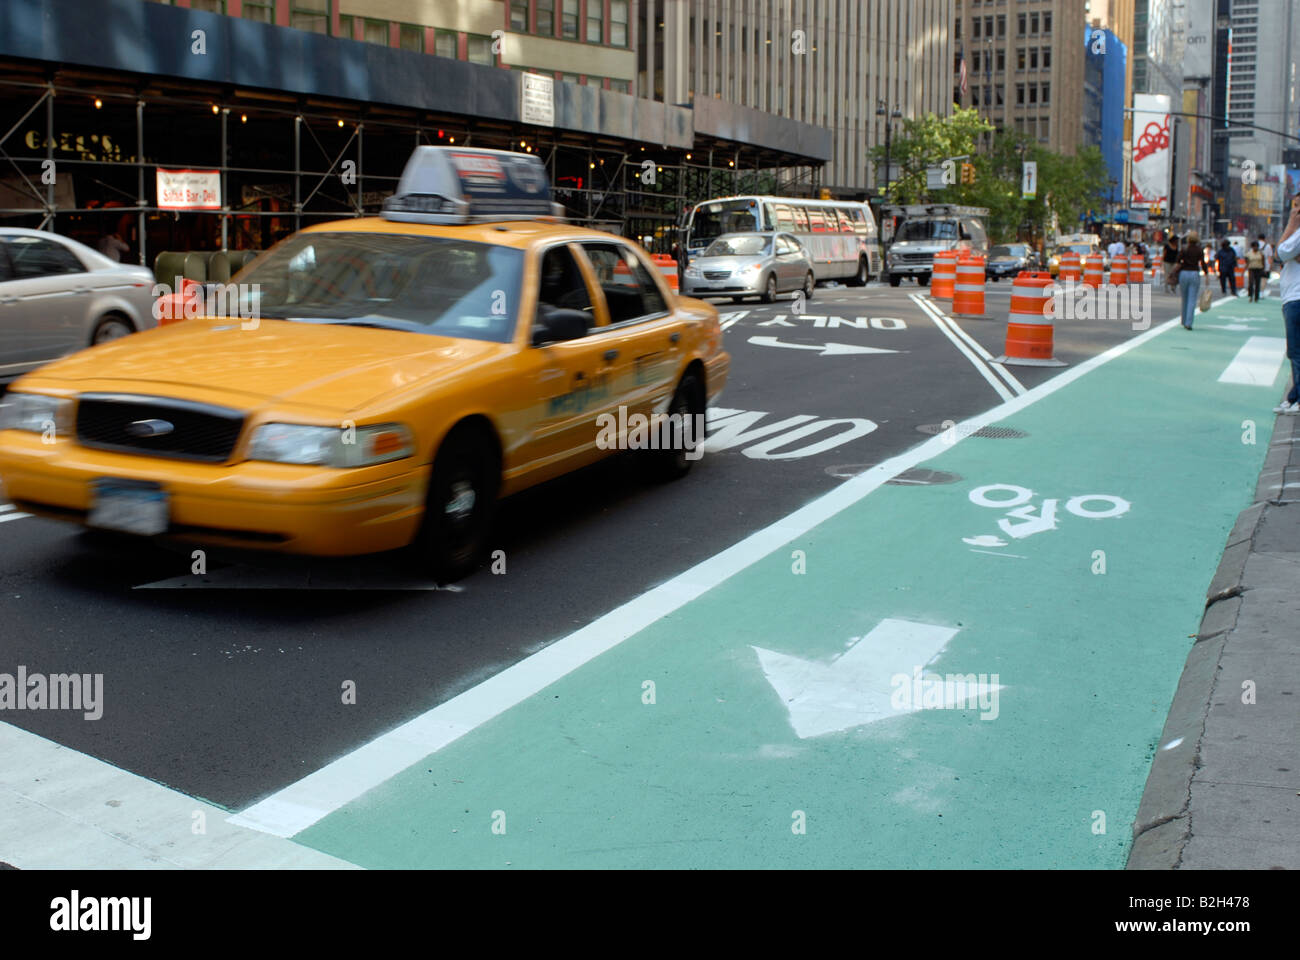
(463, 185)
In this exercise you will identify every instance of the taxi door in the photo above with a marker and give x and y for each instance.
(572, 381)
(643, 338)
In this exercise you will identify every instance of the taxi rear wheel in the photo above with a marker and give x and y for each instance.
(460, 507)
(688, 404)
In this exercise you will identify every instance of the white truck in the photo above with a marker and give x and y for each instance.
(924, 229)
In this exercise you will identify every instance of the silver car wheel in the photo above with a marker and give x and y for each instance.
(111, 329)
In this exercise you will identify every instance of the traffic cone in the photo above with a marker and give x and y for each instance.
(1029, 325)
(968, 293)
(1070, 268)
(1094, 270)
(944, 277)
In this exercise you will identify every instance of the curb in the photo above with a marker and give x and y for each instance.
(1162, 826)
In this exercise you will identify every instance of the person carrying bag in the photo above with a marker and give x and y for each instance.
(1191, 264)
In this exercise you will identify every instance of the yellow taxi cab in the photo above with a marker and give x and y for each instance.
(383, 382)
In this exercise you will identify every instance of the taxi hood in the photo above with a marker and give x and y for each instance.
(330, 366)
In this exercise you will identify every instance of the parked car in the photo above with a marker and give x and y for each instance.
(1007, 260)
(743, 265)
(58, 296)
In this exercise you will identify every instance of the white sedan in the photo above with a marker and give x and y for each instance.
(58, 296)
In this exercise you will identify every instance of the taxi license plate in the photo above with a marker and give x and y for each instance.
(128, 506)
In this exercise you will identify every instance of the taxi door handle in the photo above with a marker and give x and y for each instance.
(674, 337)
(610, 355)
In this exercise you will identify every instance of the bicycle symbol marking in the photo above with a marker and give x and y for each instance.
(1024, 519)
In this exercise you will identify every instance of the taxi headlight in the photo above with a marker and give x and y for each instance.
(37, 413)
(347, 446)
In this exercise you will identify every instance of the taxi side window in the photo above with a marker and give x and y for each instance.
(561, 282)
(630, 291)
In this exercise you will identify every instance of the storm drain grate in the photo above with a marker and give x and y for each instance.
(917, 476)
(988, 433)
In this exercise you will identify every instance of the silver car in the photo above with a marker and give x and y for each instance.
(743, 265)
(58, 296)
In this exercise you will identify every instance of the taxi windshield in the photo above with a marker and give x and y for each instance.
(436, 285)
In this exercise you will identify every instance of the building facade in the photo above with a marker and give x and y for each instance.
(1025, 67)
(1105, 74)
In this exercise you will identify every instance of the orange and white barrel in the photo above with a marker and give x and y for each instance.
(667, 266)
(1137, 271)
(1241, 273)
(1119, 269)
(944, 277)
(1094, 270)
(1071, 266)
(1029, 325)
(968, 291)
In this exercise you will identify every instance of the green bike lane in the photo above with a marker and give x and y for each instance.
(766, 723)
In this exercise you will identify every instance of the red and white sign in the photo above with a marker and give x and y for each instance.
(189, 189)
(1151, 153)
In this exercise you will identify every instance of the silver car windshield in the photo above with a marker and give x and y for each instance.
(739, 247)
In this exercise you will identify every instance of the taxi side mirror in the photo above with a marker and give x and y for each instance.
(556, 324)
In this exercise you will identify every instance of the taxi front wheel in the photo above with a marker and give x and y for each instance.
(460, 507)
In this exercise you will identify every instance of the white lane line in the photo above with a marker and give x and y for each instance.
(1256, 363)
(6, 506)
(63, 810)
(1012, 381)
(13, 516)
(979, 365)
(317, 795)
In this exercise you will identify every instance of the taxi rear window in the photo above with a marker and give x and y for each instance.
(435, 285)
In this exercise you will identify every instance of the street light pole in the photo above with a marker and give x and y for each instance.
(889, 118)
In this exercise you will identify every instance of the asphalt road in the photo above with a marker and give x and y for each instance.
(226, 686)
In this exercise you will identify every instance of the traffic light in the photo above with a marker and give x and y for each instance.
(968, 173)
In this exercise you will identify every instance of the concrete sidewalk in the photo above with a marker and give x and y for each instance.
(1224, 787)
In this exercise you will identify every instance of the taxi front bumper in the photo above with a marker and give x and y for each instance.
(265, 506)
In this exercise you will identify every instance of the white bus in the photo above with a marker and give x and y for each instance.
(839, 235)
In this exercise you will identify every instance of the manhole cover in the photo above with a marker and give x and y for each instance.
(915, 477)
(988, 433)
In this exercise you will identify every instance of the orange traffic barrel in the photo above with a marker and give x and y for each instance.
(968, 291)
(1071, 266)
(1094, 270)
(1119, 269)
(1137, 271)
(1241, 273)
(945, 275)
(1029, 326)
(667, 266)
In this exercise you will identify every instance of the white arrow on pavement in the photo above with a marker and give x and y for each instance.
(826, 350)
(858, 688)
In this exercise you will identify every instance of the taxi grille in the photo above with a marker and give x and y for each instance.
(198, 431)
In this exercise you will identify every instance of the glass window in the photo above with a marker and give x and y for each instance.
(630, 291)
(846, 222)
(519, 15)
(1047, 21)
(376, 31)
(569, 77)
(784, 217)
(1033, 23)
(1002, 60)
(569, 20)
(562, 286)
(412, 38)
(714, 219)
(1047, 93)
(260, 10)
(1020, 24)
(618, 23)
(988, 26)
(957, 28)
(595, 21)
(545, 25)
(479, 49)
(975, 28)
(816, 220)
(1047, 57)
(739, 245)
(800, 219)
(1002, 24)
(621, 86)
(444, 43)
(211, 6)
(1033, 58)
(1033, 93)
(313, 15)
(1020, 93)
(1020, 58)
(421, 284)
(36, 257)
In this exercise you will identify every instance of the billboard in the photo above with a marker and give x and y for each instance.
(1149, 183)
(1198, 48)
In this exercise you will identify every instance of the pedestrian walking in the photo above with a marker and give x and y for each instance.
(1191, 264)
(1266, 249)
(1288, 249)
(1171, 263)
(1255, 270)
(1116, 248)
(1227, 261)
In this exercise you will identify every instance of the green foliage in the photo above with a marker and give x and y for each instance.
(1067, 185)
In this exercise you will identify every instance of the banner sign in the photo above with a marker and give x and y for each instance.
(189, 189)
(1151, 151)
(538, 103)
